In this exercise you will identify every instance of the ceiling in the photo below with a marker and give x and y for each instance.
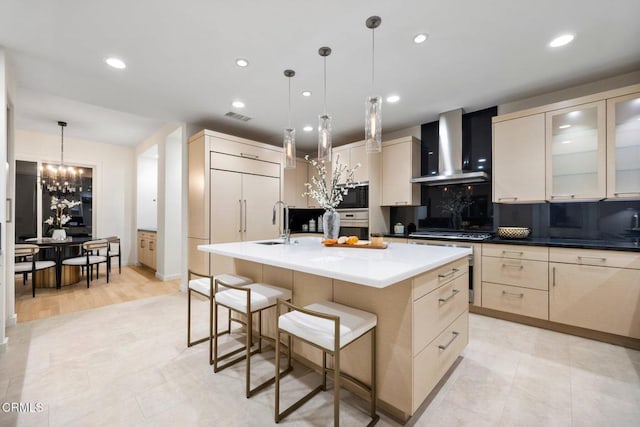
(181, 61)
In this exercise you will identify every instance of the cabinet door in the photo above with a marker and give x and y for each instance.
(576, 153)
(398, 167)
(519, 160)
(259, 194)
(623, 147)
(357, 155)
(152, 253)
(599, 298)
(226, 204)
(142, 250)
(294, 180)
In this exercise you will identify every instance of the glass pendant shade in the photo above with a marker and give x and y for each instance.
(324, 138)
(373, 124)
(289, 145)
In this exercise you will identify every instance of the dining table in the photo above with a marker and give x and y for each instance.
(62, 249)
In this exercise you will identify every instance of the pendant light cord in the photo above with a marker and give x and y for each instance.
(325, 85)
(373, 55)
(62, 146)
(289, 102)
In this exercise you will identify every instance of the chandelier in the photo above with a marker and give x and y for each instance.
(60, 180)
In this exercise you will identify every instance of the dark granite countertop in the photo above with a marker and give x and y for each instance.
(615, 245)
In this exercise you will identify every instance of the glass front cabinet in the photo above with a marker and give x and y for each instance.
(623, 147)
(576, 153)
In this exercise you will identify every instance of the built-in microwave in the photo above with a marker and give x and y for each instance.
(356, 198)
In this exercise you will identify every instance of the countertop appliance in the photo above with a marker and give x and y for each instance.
(356, 198)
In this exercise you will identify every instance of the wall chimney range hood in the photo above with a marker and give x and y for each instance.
(450, 159)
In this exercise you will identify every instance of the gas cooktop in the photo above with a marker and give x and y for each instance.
(451, 235)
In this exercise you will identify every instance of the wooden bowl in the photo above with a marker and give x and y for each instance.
(513, 232)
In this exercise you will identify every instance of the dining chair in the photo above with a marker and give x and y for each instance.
(114, 251)
(27, 262)
(91, 257)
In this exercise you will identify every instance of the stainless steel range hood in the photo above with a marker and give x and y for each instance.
(450, 159)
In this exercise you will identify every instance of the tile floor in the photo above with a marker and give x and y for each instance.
(127, 364)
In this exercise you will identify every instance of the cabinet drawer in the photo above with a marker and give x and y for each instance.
(435, 360)
(244, 165)
(434, 311)
(431, 280)
(618, 259)
(536, 253)
(516, 272)
(512, 299)
(248, 151)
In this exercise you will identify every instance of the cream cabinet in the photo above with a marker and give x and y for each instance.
(576, 153)
(352, 155)
(293, 185)
(597, 290)
(515, 279)
(623, 147)
(233, 185)
(519, 160)
(147, 249)
(400, 163)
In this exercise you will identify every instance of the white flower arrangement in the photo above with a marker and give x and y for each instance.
(330, 196)
(61, 208)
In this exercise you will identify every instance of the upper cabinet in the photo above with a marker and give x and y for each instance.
(294, 180)
(582, 149)
(400, 163)
(352, 155)
(519, 160)
(576, 153)
(623, 147)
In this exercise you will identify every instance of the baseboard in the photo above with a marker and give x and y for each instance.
(12, 320)
(166, 278)
(3, 345)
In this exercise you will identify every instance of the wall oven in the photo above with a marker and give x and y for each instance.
(354, 222)
(356, 198)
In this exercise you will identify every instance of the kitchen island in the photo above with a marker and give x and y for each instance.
(419, 293)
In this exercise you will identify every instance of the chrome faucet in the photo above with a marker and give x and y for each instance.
(285, 232)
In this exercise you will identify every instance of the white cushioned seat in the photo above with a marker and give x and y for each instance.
(25, 267)
(202, 285)
(82, 260)
(262, 296)
(353, 324)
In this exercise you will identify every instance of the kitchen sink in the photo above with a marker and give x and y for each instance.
(270, 242)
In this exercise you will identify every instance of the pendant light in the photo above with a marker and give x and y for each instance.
(373, 104)
(324, 121)
(289, 140)
(61, 180)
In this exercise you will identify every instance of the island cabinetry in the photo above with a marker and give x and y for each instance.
(623, 147)
(597, 290)
(147, 249)
(576, 153)
(519, 159)
(400, 163)
(515, 279)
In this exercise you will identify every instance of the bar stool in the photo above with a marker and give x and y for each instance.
(330, 327)
(248, 300)
(204, 285)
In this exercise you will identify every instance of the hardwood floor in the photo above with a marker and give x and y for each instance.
(134, 283)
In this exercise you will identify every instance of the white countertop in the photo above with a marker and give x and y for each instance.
(377, 268)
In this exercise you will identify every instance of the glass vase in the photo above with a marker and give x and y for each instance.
(331, 224)
(59, 234)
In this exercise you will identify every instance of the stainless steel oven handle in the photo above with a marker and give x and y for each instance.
(453, 294)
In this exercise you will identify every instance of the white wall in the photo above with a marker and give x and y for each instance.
(7, 312)
(113, 179)
(147, 190)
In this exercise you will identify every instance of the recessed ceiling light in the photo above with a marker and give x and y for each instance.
(241, 62)
(306, 93)
(116, 63)
(238, 104)
(307, 128)
(393, 98)
(568, 141)
(564, 126)
(561, 40)
(420, 38)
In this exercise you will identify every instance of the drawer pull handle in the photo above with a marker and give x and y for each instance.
(401, 203)
(627, 192)
(513, 252)
(554, 276)
(597, 258)
(563, 196)
(249, 156)
(513, 294)
(453, 271)
(455, 335)
(507, 198)
(453, 294)
(519, 267)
